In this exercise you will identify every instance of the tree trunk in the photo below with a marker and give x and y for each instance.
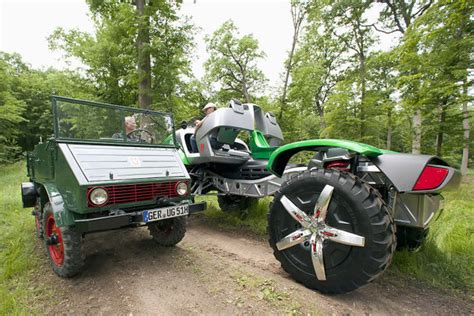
(389, 130)
(298, 15)
(362, 94)
(439, 135)
(320, 110)
(287, 77)
(245, 92)
(144, 63)
(466, 136)
(416, 143)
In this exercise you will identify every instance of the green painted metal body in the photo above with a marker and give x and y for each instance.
(280, 157)
(52, 174)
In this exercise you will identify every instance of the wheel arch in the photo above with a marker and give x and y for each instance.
(403, 170)
(280, 157)
(50, 193)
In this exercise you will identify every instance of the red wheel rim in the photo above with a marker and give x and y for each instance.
(56, 251)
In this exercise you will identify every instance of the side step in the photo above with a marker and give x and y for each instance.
(253, 188)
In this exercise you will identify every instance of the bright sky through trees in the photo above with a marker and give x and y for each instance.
(25, 25)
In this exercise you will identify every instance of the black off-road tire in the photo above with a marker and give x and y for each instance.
(168, 232)
(355, 207)
(73, 259)
(411, 238)
(235, 203)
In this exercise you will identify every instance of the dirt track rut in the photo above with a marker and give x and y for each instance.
(217, 272)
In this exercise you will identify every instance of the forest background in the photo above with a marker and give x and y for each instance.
(336, 83)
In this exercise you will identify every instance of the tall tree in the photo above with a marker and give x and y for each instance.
(232, 63)
(397, 16)
(144, 62)
(317, 68)
(348, 24)
(299, 10)
(382, 90)
(111, 54)
(440, 42)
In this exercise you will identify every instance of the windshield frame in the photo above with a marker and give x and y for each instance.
(121, 108)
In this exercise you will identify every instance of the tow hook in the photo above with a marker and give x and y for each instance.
(53, 240)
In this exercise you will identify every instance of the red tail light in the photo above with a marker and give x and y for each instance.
(430, 178)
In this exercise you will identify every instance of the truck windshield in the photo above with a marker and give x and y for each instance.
(91, 121)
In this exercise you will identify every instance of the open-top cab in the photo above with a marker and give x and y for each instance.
(106, 167)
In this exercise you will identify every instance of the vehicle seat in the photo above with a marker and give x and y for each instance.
(226, 151)
(227, 136)
(187, 140)
(259, 146)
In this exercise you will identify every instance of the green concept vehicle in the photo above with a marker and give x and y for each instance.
(335, 221)
(107, 167)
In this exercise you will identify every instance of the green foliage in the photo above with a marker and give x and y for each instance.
(110, 58)
(111, 54)
(26, 107)
(315, 72)
(342, 87)
(232, 64)
(434, 63)
(11, 109)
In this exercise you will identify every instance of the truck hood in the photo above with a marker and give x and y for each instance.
(103, 163)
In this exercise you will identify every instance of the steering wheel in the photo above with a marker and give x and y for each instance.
(190, 123)
(150, 140)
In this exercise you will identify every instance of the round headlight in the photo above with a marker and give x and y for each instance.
(182, 188)
(98, 196)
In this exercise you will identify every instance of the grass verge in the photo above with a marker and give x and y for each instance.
(447, 257)
(253, 221)
(18, 295)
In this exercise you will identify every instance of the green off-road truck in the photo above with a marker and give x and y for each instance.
(107, 167)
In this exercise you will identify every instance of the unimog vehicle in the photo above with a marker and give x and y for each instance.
(107, 167)
(335, 220)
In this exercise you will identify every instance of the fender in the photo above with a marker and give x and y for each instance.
(62, 215)
(280, 157)
(404, 170)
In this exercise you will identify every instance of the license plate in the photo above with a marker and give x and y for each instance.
(165, 212)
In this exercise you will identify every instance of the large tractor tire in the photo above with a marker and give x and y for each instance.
(331, 231)
(235, 203)
(168, 232)
(411, 238)
(63, 246)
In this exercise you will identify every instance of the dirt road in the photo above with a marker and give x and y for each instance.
(217, 272)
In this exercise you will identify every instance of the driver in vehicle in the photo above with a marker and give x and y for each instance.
(130, 126)
(208, 109)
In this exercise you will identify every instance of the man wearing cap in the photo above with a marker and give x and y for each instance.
(207, 109)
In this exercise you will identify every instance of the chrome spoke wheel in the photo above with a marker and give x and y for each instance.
(295, 238)
(316, 230)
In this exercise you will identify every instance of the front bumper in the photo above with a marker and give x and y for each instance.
(111, 222)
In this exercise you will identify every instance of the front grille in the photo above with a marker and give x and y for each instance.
(129, 193)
